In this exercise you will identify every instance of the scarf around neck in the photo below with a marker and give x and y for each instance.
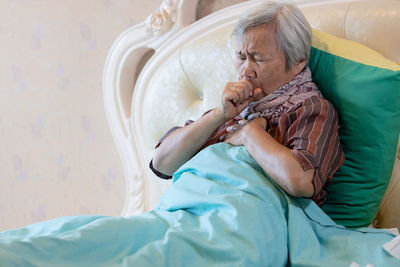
(286, 98)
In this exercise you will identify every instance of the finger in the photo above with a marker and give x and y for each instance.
(238, 89)
(242, 94)
(225, 137)
(232, 128)
(242, 122)
(258, 94)
(246, 83)
(222, 138)
(230, 85)
(231, 96)
(246, 89)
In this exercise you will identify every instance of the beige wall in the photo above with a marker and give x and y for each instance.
(57, 155)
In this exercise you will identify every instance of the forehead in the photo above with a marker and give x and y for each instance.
(258, 39)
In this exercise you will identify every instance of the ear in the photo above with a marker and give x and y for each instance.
(298, 67)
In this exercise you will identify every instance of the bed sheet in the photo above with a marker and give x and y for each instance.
(221, 210)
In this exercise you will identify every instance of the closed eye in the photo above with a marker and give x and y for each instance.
(260, 59)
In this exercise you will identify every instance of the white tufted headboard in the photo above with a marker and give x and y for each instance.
(151, 79)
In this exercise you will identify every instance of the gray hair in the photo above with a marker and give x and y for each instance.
(293, 33)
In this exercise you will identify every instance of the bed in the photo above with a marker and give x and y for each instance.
(214, 213)
(130, 99)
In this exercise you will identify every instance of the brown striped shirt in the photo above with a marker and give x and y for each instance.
(301, 119)
(311, 132)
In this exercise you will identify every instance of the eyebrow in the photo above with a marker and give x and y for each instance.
(252, 53)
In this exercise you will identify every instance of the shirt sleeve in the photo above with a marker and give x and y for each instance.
(314, 141)
(169, 132)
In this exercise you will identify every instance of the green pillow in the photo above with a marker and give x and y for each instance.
(364, 87)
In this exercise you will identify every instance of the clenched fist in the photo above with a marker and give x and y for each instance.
(238, 95)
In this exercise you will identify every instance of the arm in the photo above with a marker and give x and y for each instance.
(275, 159)
(184, 143)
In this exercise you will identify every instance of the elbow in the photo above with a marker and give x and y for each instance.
(156, 163)
(301, 185)
(303, 190)
(160, 165)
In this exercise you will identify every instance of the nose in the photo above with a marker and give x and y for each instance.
(248, 71)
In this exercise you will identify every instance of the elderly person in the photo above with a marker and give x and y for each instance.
(274, 109)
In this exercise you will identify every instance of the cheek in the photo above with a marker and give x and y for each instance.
(266, 72)
(272, 69)
(269, 74)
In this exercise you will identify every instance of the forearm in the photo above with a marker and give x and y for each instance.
(183, 143)
(279, 163)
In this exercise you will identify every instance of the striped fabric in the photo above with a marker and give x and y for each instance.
(301, 119)
(311, 132)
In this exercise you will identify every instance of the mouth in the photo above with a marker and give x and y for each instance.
(255, 84)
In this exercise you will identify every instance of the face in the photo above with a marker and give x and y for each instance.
(259, 60)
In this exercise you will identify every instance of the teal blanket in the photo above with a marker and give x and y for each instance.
(221, 210)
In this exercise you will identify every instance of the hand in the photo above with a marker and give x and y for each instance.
(238, 95)
(237, 133)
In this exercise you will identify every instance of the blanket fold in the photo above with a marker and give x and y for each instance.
(221, 210)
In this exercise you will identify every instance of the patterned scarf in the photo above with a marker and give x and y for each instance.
(285, 99)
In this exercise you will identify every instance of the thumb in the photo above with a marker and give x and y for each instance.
(258, 93)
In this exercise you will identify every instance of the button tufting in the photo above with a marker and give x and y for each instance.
(200, 95)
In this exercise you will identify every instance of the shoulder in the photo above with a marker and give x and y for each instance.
(317, 106)
(314, 109)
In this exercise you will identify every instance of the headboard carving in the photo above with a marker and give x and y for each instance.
(171, 13)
